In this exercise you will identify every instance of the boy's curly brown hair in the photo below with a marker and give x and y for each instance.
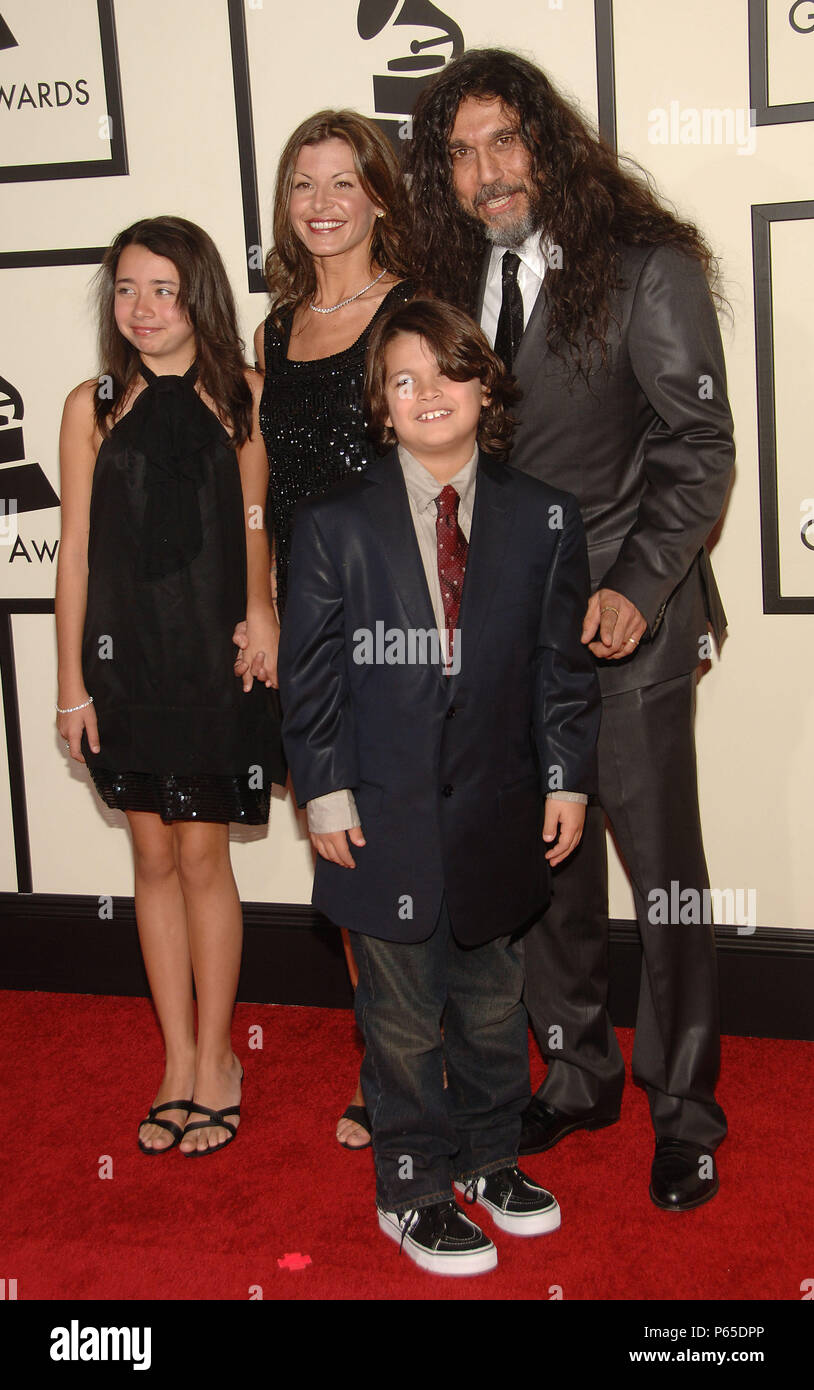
(462, 353)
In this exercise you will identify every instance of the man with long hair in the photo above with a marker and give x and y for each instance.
(601, 302)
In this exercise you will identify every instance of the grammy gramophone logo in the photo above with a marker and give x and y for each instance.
(23, 486)
(7, 39)
(396, 91)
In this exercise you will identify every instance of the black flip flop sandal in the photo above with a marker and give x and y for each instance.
(170, 1125)
(358, 1114)
(215, 1119)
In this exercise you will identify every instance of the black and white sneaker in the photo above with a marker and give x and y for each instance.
(440, 1239)
(515, 1202)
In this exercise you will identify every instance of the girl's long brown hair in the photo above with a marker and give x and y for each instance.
(206, 297)
(289, 267)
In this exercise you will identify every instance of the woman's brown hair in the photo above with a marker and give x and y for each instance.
(462, 353)
(206, 297)
(289, 267)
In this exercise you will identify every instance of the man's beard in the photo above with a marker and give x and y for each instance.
(514, 232)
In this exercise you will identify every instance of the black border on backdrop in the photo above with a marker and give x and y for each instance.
(89, 168)
(71, 255)
(763, 215)
(606, 99)
(764, 113)
(14, 739)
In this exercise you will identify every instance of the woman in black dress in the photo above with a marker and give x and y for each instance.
(337, 262)
(339, 259)
(163, 470)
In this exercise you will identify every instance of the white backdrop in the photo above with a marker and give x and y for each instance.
(755, 724)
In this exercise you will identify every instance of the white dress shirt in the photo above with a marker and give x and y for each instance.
(530, 276)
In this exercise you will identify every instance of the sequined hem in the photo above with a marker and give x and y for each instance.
(213, 799)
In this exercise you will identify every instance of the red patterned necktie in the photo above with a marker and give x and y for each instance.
(452, 550)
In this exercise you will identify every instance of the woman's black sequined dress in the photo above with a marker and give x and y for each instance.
(312, 422)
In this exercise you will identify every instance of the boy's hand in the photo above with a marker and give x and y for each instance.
(335, 846)
(569, 818)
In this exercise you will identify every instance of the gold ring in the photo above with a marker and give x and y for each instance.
(633, 640)
(609, 608)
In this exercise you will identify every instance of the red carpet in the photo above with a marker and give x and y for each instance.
(80, 1072)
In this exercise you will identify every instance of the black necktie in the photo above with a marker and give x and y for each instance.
(510, 323)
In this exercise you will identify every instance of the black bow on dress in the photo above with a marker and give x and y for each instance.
(173, 425)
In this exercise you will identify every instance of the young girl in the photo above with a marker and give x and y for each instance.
(164, 479)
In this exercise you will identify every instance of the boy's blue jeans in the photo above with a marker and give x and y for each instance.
(424, 1135)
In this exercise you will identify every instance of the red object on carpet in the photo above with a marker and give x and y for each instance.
(286, 1213)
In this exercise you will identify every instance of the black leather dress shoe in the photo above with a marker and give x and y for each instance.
(542, 1126)
(683, 1175)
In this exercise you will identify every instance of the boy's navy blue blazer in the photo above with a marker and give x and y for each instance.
(449, 772)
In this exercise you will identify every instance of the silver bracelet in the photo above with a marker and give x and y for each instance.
(73, 708)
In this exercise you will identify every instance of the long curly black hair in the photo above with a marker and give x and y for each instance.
(591, 201)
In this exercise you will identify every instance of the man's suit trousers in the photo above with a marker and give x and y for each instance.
(648, 790)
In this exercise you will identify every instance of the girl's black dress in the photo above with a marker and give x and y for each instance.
(166, 586)
(312, 422)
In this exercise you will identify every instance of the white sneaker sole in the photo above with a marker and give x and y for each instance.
(533, 1223)
(479, 1262)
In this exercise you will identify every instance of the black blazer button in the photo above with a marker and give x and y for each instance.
(451, 712)
(447, 790)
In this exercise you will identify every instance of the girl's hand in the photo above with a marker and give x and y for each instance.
(79, 441)
(72, 726)
(257, 659)
(241, 665)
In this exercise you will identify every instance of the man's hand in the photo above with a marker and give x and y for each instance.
(619, 622)
(335, 846)
(569, 818)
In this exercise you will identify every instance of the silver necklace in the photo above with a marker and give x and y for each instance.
(343, 302)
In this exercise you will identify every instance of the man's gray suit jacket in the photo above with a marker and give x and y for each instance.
(646, 447)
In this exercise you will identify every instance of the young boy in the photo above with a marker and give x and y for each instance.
(434, 683)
